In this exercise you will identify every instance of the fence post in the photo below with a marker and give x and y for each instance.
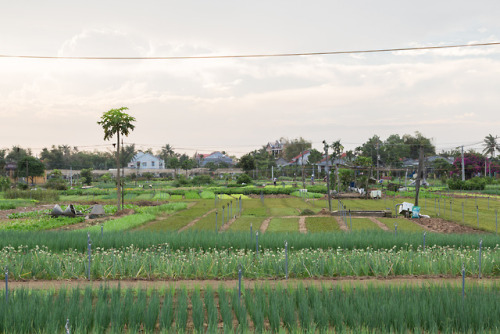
(240, 206)
(102, 231)
(286, 260)
(216, 213)
(451, 210)
(350, 219)
(395, 229)
(477, 215)
(67, 326)
(463, 280)
(239, 284)
(257, 243)
(480, 246)
(222, 216)
(6, 284)
(424, 239)
(89, 251)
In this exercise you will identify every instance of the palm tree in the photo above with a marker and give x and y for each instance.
(166, 152)
(115, 121)
(491, 145)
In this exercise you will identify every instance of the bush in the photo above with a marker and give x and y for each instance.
(244, 178)
(202, 180)
(4, 183)
(475, 183)
(56, 184)
(181, 181)
(22, 186)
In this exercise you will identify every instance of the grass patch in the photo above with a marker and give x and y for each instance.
(283, 225)
(9, 204)
(403, 224)
(362, 224)
(322, 224)
(182, 218)
(243, 224)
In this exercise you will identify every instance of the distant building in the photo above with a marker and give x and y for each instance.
(216, 157)
(146, 161)
(301, 159)
(281, 162)
(275, 148)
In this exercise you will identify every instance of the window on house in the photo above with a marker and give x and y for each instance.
(152, 163)
(144, 164)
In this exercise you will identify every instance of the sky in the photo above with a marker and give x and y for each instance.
(239, 104)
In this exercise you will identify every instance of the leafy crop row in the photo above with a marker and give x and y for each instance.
(204, 240)
(161, 262)
(429, 309)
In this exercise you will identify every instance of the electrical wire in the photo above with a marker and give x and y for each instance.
(256, 55)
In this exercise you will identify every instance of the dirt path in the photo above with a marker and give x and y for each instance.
(342, 224)
(379, 223)
(228, 224)
(191, 223)
(265, 225)
(249, 283)
(302, 225)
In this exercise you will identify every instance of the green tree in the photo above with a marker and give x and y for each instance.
(4, 183)
(315, 156)
(127, 154)
(86, 175)
(491, 145)
(2, 159)
(106, 177)
(186, 163)
(337, 149)
(296, 146)
(17, 153)
(116, 122)
(31, 167)
(394, 150)
(415, 142)
(166, 152)
(246, 163)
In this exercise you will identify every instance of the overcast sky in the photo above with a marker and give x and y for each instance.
(238, 105)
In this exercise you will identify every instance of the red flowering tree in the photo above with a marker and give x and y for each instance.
(474, 164)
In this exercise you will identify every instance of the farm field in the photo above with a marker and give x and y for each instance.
(334, 309)
(166, 237)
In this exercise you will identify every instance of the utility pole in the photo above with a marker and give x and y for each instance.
(419, 173)
(27, 182)
(303, 167)
(463, 166)
(378, 158)
(327, 177)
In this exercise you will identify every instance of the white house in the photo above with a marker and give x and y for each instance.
(146, 161)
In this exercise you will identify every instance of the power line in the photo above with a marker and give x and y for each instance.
(256, 55)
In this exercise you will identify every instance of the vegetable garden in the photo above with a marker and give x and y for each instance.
(272, 233)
